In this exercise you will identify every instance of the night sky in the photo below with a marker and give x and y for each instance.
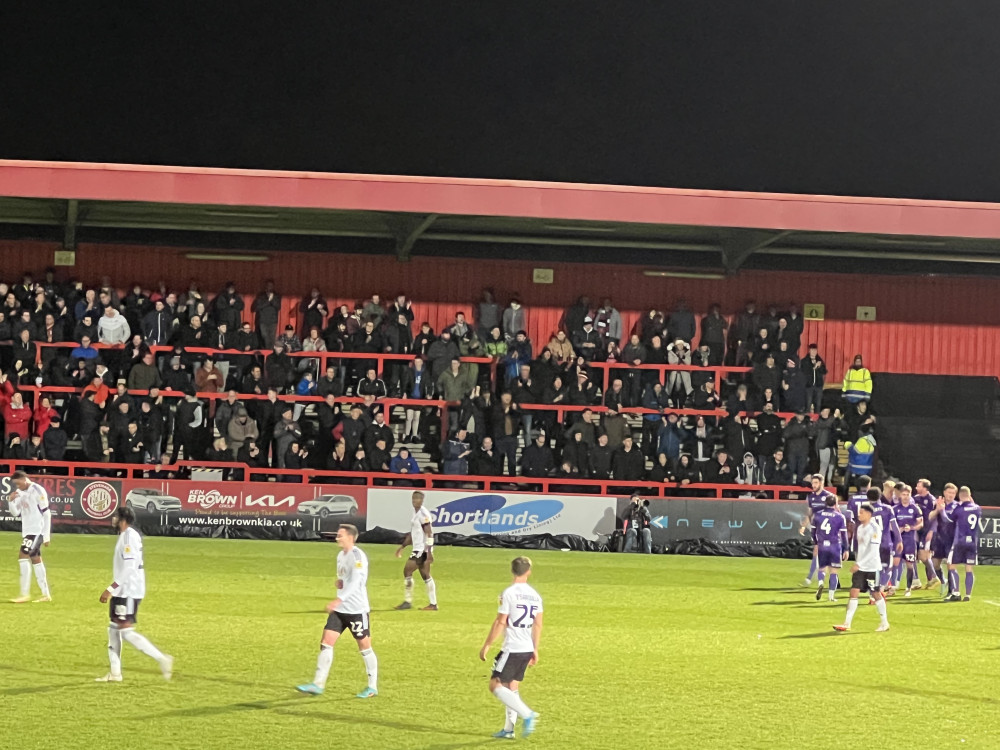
(889, 99)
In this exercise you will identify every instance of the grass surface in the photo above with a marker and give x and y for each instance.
(665, 651)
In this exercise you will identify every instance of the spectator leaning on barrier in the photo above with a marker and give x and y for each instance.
(857, 382)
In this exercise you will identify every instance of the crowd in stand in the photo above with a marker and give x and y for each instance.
(140, 398)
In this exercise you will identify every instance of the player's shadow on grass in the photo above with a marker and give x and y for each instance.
(355, 719)
(824, 634)
(782, 589)
(38, 688)
(792, 603)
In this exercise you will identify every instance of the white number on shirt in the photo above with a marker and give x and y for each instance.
(527, 617)
(972, 522)
(825, 525)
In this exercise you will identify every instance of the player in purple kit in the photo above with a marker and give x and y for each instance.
(889, 492)
(925, 501)
(944, 531)
(965, 545)
(910, 520)
(815, 502)
(830, 537)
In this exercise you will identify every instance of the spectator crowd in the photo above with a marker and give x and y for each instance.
(131, 377)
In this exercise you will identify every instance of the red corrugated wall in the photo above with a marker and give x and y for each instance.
(931, 325)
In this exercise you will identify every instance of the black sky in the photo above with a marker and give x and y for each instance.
(892, 99)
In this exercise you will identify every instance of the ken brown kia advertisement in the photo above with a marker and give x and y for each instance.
(246, 509)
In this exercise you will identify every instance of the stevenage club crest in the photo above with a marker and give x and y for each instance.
(99, 500)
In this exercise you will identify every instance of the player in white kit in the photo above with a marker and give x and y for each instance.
(520, 617)
(30, 501)
(125, 593)
(422, 537)
(866, 573)
(349, 611)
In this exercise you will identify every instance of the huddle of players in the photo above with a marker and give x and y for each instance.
(519, 617)
(909, 528)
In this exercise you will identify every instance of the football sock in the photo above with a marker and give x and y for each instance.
(25, 576)
(939, 573)
(929, 570)
(115, 649)
(897, 573)
(970, 578)
(812, 568)
(834, 583)
(852, 607)
(371, 667)
(953, 581)
(512, 701)
(43, 582)
(510, 717)
(141, 642)
(323, 663)
(909, 577)
(886, 575)
(880, 606)
(431, 591)
(822, 577)
(408, 589)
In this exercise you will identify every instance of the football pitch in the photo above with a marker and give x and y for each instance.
(637, 651)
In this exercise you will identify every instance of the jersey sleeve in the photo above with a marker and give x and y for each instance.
(504, 608)
(42, 500)
(425, 517)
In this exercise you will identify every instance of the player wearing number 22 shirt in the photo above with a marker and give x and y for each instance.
(520, 618)
(349, 611)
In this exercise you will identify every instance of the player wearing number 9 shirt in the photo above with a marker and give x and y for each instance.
(520, 617)
(349, 611)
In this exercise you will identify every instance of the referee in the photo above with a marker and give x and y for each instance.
(865, 574)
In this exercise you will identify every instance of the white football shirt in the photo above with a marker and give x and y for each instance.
(520, 603)
(32, 505)
(869, 538)
(129, 571)
(417, 536)
(352, 569)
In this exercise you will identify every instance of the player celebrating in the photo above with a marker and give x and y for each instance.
(965, 544)
(520, 617)
(422, 537)
(910, 520)
(830, 536)
(349, 611)
(30, 501)
(890, 532)
(125, 593)
(944, 532)
(865, 573)
(815, 503)
(925, 501)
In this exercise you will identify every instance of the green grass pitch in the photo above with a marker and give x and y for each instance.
(637, 652)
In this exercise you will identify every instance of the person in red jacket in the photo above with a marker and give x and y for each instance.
(16, 415)
(43, 416)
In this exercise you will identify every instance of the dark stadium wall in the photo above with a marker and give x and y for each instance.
(927, 325)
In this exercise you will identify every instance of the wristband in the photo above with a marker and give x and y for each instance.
(430, 541)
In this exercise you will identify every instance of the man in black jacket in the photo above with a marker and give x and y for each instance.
(600, 458)
(768, 434)
(776, 470)
(266, 309)
(628, 464)
(796, 434)
(537, 459)
(720, 469)
(54, 440)
(814, 369)
(485, 461)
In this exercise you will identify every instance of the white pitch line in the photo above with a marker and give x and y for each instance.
(995, 604)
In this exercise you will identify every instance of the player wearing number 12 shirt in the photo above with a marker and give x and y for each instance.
(520, 618)
(349, 611)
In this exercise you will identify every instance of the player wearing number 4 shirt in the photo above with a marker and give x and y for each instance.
(422, 537)
(965, 544)
(349, 611)
(866, 574)
(125, 593)
(520, 617)
(30, 501)
(830, 539)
